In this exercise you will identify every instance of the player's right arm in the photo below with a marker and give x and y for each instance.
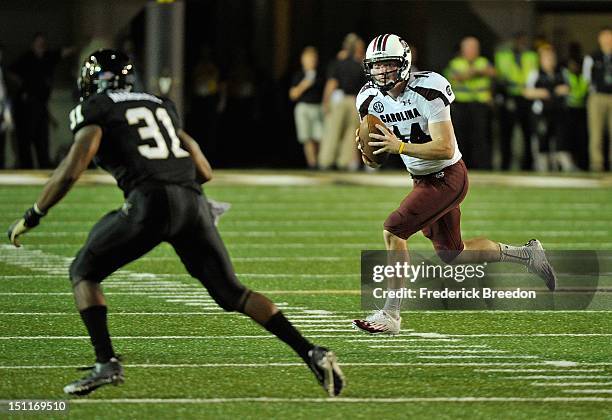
(85, 146)
(82, 151)
(203, 168)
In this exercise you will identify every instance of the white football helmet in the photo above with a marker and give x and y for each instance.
(384, 48)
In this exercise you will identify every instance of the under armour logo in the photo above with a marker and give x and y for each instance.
(439, 174)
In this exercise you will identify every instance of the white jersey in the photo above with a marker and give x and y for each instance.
(427, 94)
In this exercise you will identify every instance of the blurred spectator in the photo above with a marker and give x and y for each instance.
(6, 120)
(205, 103)
(338, 144)
(576, 132)
(548, 90)
(336, 95)
(307, 91)
(513, 64)
(470, 75)
(597, 70)
(33, 73)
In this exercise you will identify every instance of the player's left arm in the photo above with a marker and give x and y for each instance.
(84, 148)
(441, 146)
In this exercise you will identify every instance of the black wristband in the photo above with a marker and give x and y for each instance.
(31, 217)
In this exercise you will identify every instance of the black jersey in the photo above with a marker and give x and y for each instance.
(139, 143)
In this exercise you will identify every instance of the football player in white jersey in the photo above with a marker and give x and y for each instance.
(415, 108)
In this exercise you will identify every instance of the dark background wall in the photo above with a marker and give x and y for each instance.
(269, 34)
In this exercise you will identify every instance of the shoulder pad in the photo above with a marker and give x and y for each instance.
(432, 86)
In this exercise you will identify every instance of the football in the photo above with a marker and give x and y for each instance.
(368, 125)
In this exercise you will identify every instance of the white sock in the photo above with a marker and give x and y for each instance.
(393, 305)
(513, 254)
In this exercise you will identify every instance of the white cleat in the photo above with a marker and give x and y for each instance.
(379, 322)
(539, 265)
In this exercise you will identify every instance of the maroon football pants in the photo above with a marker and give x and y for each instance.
(433, 208)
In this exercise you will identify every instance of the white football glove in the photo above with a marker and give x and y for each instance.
(30, 220)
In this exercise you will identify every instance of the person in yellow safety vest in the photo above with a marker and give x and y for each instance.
(513, 65)
(576, 107)
(470, 75)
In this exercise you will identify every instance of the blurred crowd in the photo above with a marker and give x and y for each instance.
(561, 108)
(523, 108)
(25, 89)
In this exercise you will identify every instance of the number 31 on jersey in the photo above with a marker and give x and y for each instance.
(151, 131)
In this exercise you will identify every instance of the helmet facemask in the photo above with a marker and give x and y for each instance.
(384, 79)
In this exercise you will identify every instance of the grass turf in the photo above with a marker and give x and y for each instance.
(301, 245)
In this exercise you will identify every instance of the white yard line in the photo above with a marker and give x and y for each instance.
(532, 377)
(445, 346)
(413, 350)
(533, 335)
(336, 233)
(264, 259)
(328, 324)
(338, 400)
(537, 370)
(587, 391)
(571, 383)
(111, 313)
(357, 364)
(480, 356)
(288, 313)
(348, 329)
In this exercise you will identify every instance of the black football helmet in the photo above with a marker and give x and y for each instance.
(105, 69)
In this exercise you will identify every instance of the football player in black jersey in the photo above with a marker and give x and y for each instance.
(138, 138)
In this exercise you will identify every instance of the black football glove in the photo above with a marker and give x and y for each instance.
(30, 220)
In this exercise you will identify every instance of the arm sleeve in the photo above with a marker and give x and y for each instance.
(443, 115)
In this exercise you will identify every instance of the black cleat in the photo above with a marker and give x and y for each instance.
(101, 374)
(324, 365)
(538, 264)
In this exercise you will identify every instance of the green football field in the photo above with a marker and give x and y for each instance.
(300, 245)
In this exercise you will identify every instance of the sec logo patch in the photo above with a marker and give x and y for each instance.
(378, 107)
(449, 92)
